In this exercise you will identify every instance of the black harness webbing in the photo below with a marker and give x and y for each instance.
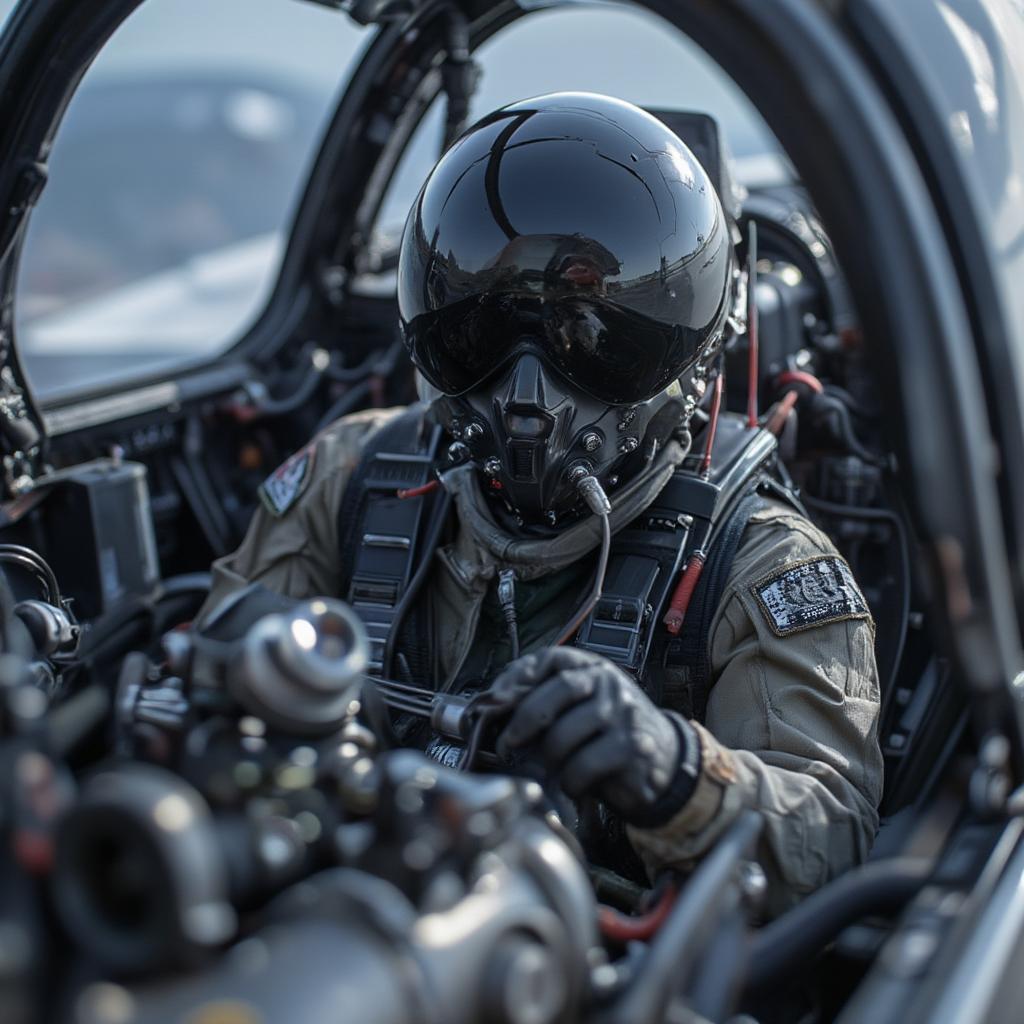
(693, 513)
(380, 534)
(381, 538)
(692, 648)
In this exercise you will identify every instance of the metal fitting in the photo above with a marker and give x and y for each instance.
(753, 883)
(591, 441)
(51, 628)
(579, 470)
(458, 452)
(300, 671)
(627, 417)
(582, 476)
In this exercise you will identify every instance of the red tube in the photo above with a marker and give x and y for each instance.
(752, 325)
(800, 377)
(415, 492)
(716, 405)
(752, 359)
(34, 851)
(688, 580)
(780, 414)
(622, 928)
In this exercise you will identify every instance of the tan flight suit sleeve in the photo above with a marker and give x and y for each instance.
(296, 552)
(791, 730)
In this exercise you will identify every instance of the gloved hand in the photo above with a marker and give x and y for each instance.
(599, 733)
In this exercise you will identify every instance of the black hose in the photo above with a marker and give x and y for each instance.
(375, 710)
(513, 634)
(269, 406)
(472, 748)
(399, 703)
(207, 511)
(833, 508)
(73, 720)
(828, 406)
(486, 712)
(596, 590)
(880, 515)
(374, 365)
(404, 698)
(851, 403)
(680, 943)
(205, 491)
(507, 600)
(186, 583)
(405, 603)
(458, 75)
(18, 554)
(302, 394)
(346, 403)
(786, 946)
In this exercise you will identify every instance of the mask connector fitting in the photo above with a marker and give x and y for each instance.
(590, 489)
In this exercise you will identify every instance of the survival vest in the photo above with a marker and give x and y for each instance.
(386, 543)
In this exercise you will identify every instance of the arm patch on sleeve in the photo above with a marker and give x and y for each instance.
(284, 486)
(810, 593)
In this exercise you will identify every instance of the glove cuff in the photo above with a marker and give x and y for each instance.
(681, 788)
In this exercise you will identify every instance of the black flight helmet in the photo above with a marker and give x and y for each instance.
(566, 274)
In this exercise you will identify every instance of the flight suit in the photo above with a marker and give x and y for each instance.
(791, 721)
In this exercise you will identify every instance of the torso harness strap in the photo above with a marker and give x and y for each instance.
(382, 542)
(381, 536)
(693, 516)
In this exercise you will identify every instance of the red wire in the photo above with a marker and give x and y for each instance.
(34, 851)
(800, 377)
(623, 928)
(415, 492)
(716, 405)
(778, 418)
(752, 363)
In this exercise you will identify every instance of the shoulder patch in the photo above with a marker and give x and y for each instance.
(282, 488)
(810, 593)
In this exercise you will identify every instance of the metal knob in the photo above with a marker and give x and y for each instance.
(300, 671)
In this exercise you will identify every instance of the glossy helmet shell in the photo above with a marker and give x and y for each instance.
(578, 229)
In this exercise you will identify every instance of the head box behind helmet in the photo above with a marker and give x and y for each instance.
(565, 263)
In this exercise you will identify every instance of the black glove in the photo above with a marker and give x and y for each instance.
(600, 734)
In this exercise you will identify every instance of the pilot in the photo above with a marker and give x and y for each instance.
(566, 283)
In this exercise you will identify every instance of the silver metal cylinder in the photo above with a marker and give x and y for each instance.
(301, 670)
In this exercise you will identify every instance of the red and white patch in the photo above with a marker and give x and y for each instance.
(284, 486)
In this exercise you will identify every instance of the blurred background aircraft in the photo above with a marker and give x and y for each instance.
(174, 174)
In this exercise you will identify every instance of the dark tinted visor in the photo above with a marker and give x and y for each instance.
(617, 355)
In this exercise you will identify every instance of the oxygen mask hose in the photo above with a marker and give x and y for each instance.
(507, 599)
(597, 501)
(592, 493)
(487, 706)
